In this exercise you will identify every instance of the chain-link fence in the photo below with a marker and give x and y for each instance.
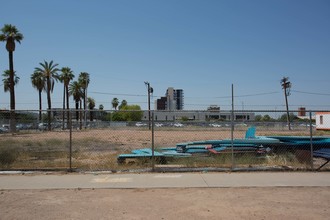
(169, 141)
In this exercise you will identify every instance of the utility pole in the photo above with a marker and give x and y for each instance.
(286, 85)
(150, 90)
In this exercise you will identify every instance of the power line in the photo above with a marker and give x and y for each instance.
(311, 93)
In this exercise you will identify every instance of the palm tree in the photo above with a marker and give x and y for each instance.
(49, 71)
(83, 79)
(76, 91)
(91, 106)
(122, 104)
(10, 35)
(6, 80)
(101, 113)
(38, 82)
(115, 103)
(66, 76)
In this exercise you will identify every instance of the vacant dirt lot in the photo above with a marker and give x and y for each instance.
(193, 203)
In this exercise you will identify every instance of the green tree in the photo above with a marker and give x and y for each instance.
(66, 76)
(115, 103)
(122, 104)
(76, 91)
(83, 79)
(91, 106)
(38, 82)
(266, 118)
(258, 118)
(10, 35)
(49, 71)
(6, 80)
(128, 113)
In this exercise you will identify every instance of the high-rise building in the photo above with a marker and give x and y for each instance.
(172, 101)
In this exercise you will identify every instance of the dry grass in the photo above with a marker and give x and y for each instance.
(98, 149)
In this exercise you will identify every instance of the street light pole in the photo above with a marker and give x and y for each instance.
(150, 90)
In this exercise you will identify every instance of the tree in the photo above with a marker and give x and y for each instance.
(6, 80)
(66, 76)
(38, 82)
(123, 104)
(101, 112)
(115, 103)
(91, 106)
(84, 82)
(266, 118)
(49, 71)
(258, 118)
(10, 35)
(128, 113)
(76, 91)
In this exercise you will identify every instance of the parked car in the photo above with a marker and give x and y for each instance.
(158, 124)
(140, 124)
(178, 125)
(42, 126)
(215, 125)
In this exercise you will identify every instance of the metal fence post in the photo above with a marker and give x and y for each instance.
(70, 141)
(232, 127)
(153, 142)
(311, 139)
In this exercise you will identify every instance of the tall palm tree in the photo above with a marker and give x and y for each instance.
(83, 79)
(38, 81)
(50, 73)
(66, 76)
(115, 103)
(76, 91)
(91, 106)
(10, 35)
(6, 80)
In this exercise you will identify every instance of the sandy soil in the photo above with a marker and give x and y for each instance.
(131, 138)
(182, 203)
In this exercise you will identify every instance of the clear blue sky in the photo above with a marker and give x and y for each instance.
(200, 46)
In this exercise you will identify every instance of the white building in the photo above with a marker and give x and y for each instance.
(322, 120)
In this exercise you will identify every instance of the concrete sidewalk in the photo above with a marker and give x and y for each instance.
(162, 180)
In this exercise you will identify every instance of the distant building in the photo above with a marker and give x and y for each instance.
(213, 108)
(172, 101)
(199, 115)
(302, 112)
(322, 120)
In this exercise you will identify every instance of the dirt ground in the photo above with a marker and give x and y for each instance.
(180, 203)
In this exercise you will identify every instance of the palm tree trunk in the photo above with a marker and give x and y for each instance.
(49, 103)
(77, 111)
(12, 93)
(85, 107)
(63, 113)
(80, 125)
(40, 105)
(91, 115)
